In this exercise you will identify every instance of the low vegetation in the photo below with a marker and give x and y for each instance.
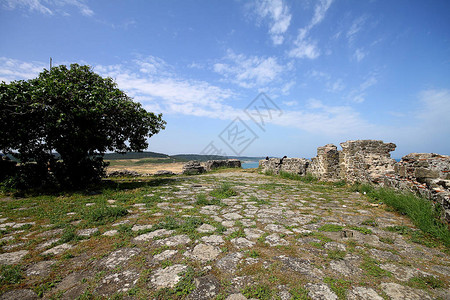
(422, 212)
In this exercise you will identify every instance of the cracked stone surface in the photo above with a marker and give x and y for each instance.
(273, 232)
(167, 277)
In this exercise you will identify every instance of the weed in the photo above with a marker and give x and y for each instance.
(336, 254)
(125, 229)
(400, 229)
(259, 201)
(308, 178)
(236, 234)
(330, 228)
(424, 282)
(104, 214)
(370, 222)
(224, 191)
(253, 253)
(68, 235)
(258, 291)
(420, 210)
(371, 266)
(299, 293)
(10, 274)
(339, 286)
(387, 240)
(201, 200)
(361, 229)
(166, 263)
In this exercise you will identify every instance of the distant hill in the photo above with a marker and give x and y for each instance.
(135, 155)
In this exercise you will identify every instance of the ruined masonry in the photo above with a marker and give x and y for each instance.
(369, 161)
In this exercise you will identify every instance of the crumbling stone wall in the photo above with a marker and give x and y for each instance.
(325, 166)
(290, 165)
(229, 163)
(426, 174)
(365, 160)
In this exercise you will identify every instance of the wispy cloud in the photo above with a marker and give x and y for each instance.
(49, 7)
(358, 95)
(356, 27)
(359, 54)
(305, 47)
(249, 71)
(279, 18)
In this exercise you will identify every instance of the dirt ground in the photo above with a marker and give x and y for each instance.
(150, 168)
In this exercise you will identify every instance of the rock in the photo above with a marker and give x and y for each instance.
(165, 255)
(117, 283)
(236, 297)
(242, 243)
(119, 257)
(42, 268)
(164, 173)
(20, 294)
(193, 167)
(174, 241)
(124, 173)
(320, 291)
(277, 228)
(111, 232)
(203, 252)
(207, 287)
(229, 262)
(149, 236)
(399, 292)
(167, 277)
(87, 232)
(58, 249)
(302, 266)
(229, 163)
(275, 240)
(363, 293)
(206, 228)
(141, 227)
(232, 216)
(253, 233)
(213, 239)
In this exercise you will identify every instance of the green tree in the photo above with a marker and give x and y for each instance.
(75, 113)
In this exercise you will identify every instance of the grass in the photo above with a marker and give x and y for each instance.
(10, 275)
(259, 201)
(372, 268)
(224, 191)
(258, 291)
(425, 282)
(202, 200)
(336, 254)
(308, 178)
(339, 286)
(330, 228)
(104, 214)
(421, 211)
(299, 293)
(363, 230)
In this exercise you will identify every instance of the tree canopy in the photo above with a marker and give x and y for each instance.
(76, 113)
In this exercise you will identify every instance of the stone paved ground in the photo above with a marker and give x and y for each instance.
(275, 239)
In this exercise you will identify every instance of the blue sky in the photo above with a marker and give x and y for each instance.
(254, 77)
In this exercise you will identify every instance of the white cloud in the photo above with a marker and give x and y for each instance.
(359, 55)
(250, 71)
(358, 95)
(356, 27)
(49, 7)
(434, 110)
(279, 15)
(13, 69)
(290, 103)
(305, 47)
(335, 86)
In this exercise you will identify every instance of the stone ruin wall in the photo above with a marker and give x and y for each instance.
(369, 161)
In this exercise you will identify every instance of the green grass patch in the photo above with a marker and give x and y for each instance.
(224, 191)
(370, 222)
(308, 178)
(299, 293)
(104, 214)
(202, 200)
(363, 230)
(426, 282)
(372, 268)
(330, 228)
(420, 210)
(258, 291)
(10, 275)
(259, 201)
(339, 286)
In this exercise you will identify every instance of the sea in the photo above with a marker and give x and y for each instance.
(250, 164)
